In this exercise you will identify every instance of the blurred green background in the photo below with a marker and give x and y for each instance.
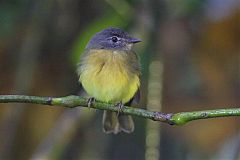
(190, 58)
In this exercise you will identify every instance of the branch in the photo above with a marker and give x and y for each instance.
(76, 101)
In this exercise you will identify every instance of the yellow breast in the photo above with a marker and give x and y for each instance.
(106, 76)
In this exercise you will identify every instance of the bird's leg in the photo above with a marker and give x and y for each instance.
(90, 101)
(120, 106)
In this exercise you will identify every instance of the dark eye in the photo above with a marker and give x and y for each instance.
(114, 39)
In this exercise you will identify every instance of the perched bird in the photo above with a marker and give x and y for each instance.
(109, 71)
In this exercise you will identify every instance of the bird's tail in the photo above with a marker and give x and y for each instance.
(113, 123)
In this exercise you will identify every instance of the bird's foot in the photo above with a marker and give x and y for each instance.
(120, 107)
(90, 101)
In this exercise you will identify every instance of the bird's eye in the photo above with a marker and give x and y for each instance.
(114, 39)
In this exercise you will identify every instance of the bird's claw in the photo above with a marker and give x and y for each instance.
(120, 107)
(90, 101)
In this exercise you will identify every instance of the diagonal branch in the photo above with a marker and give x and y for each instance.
(76, 101)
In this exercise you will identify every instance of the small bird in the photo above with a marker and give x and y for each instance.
(109, 71)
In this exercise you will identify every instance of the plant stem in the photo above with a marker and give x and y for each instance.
(76, 101)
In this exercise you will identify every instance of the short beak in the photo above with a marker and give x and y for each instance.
(134, 40)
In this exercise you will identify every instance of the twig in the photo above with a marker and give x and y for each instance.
(76, 101)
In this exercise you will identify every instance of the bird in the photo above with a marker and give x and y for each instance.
(109, 71)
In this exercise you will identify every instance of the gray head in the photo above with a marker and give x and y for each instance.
(112, 38)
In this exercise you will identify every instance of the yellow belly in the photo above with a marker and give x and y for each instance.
(109, 81)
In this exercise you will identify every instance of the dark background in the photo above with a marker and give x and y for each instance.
(190, 58)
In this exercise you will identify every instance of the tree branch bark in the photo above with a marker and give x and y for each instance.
(77, 101)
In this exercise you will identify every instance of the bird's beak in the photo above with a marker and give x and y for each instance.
(134, 40)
